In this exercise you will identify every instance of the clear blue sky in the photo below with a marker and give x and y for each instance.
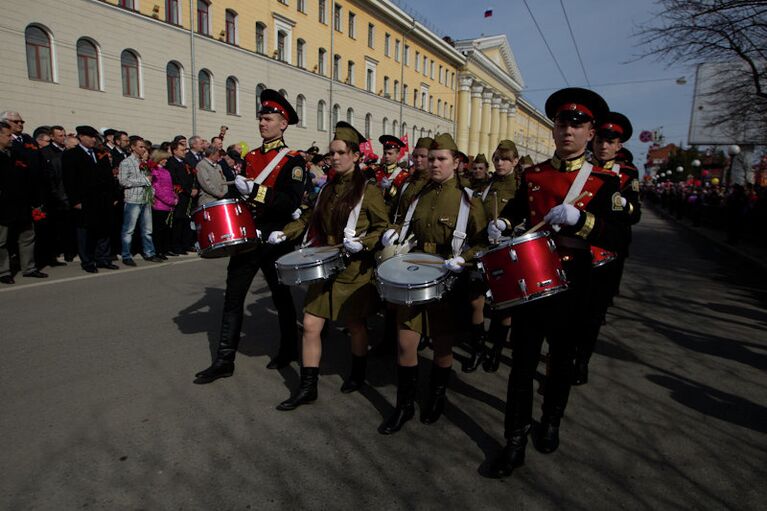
(603, 31)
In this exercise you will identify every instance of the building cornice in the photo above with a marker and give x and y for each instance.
(474, 56)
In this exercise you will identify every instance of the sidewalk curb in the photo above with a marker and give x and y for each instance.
(724, 247)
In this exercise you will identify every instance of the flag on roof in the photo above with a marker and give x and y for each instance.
(488, 13)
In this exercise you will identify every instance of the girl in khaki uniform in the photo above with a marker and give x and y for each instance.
(350, 296)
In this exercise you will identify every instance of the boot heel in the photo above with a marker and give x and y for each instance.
(307, 390)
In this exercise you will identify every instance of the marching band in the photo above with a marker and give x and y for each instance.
(535, 250)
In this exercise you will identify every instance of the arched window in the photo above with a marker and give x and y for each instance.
(423, 132)
(404, 93)
(88, 64)
(204, 83)
(368, 123)
(336, 114)
(259, 89)
(403, 131)
(282, 52)
(39, 55)
(173, 76)
(301, 53)
(203, 17)
(129, 64)
(350, 116)
(415, 133)
(394, 128)
(321, 116)
(321, 61)
(301, 110)
(231, 26)
(260, 38)
(396, 90)
(429, 134)
(337, 67)
(385, 126)
(232, 96)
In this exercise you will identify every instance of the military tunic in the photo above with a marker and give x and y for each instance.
(408, 191)
(432, 225)
(351, 294)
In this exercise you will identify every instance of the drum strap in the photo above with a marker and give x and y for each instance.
(395, 174)
(399, 199)
(351, 223)
(459, 234)
(487, 190)
(272, 164)
(578, 182)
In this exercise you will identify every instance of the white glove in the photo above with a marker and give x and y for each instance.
(353, 246)
(495, 229)
(564, 214)
(276, 237)
(244, 186)
(259, 234)
(389, 238)
(623, 201)
(386, 183)
(296, 214)
(455, 264)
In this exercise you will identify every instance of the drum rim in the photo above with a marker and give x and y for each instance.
(530, 298)
(222, 244)
(529, 237)
(423, 285)
(313, 264)
(221, 202)
(442, 277)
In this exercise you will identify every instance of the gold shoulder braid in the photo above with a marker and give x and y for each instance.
(274, 144)
(570, 165)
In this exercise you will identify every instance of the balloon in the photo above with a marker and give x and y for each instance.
(715, 181)
(243, 148)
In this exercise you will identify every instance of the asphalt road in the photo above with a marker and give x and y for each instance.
(98, 409)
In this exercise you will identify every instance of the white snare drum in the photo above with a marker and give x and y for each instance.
(308, 265)
(413, 278)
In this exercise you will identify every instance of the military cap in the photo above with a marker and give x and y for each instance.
(615, 125)
(88, 131)
(390, 141)
(272, 102)
(424, 143)
(507, 145)
(527, 160)
(577, 105)
(444, 141)
(625, 155)
(480, 158)
(347, 133)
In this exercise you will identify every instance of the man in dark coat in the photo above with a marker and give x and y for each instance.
(56, 203)
(182, 174)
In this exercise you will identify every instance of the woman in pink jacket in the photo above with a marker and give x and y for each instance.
(164, 201)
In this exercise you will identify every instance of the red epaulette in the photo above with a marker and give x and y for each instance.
(600, 171)
(293, 153)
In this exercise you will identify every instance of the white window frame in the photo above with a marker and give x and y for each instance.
(370, 65)
(286, 25)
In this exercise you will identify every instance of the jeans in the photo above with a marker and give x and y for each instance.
(133, 213)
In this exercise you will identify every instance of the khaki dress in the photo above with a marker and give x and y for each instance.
(433, 223)
(407, 194)
(351, 294)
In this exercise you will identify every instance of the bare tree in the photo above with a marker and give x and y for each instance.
(731, 32)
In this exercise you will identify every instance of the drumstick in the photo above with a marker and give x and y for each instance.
(495, 214)
(430, 262)
(543, 222)
(339, 245)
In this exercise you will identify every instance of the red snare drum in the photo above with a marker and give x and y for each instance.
(523, 269)
(600, 256)
(224, 228)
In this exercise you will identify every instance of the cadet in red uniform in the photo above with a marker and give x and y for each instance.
(629, 176)
(596, 218)
(389, 175)
(272, 199)
(611, 134)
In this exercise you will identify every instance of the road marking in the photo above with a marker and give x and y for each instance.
(102, 273)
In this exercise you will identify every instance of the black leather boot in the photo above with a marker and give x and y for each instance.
(512, 456)
(356, 378)
(287, 353)
(407, 378)
(581, 372)
(493, 359)
(548, 435)
(307, 390)
(437, 395)
(477, 344)
(223, 365)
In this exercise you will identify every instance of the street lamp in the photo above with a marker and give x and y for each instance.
(680, 169)
(733, 151)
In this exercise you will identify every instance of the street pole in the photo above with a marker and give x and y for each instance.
(332, 62)
(192, 74)
(402, 97)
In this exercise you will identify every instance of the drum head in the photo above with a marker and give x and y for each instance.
(309, 255)
(412, 269)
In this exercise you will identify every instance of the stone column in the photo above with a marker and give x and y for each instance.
(510, 124)
(462, 119)
(476, 118)
(495, 125)
(484, 130)
(503, 125)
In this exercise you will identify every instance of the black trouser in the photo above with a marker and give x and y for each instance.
(161, 231)
(240, 273)
(93, 245)
(600, 293)
(560, 319)
(180, 234)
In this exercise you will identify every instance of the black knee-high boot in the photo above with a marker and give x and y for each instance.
(513, 455)
(407, 379)
(223, 365)
(307, 390)
(477, 349)
(437, 394)
(498, 334)
(357, 376)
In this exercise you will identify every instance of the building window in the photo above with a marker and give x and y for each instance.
(231, 26)
(260, 38)
(337, 18)
(336, 114)
(394, 127)
(352, 25)
(368, 122)
(370, 81)
(282, 53)
(88, 64)
(300, 48)
(350, 73)
(203, 17)
(431, 70)
(371, 35)
(172, 12)
(39, 56)
(415, 133)
(385, 126)
(439, 107)
(396, 90)
(423, 100)
(283, 2)
(406, 56)
(259, 89)
(130, 73)
(386, 92)
(403, 98)
(337, 67)
(417, 61)
(321, 116)
(284, 93)
(204, 84)
(173, 77)
(415, 99)
(403, 130)
(431, 104)
(127, 4)
(321, 61)
(350, 115)
(424, 64)
(232, 102)
(440, 74)
(323, 5)
(301, 6)
(301, 110)
(387, 44)
(396, 49)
